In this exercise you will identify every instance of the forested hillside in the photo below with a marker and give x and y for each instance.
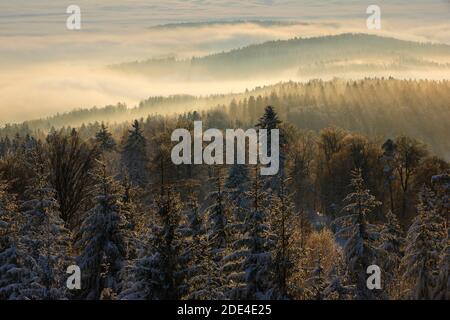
(110, 200)
(375, 107)
(304, 57)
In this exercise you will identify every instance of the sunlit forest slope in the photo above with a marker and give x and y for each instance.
(376, 107)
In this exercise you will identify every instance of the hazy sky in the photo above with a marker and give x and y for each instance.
(47, 68)
(118, 29)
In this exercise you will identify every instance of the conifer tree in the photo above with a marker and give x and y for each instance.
(423, 249)
(18, 279)
(102, 240)
(270, 121)
(205, 281)
(388, 160)
(281, 219)
(45, 238)
(217, 215)
(317, 283)
(134, 155)
(104, 139)
(392, 244)
(257, 259)
(236, 186)
(442, 185)
(338, 287)
(360, 250)
(159, 274)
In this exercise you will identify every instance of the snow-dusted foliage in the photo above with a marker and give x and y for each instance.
(134, 155)
(281, 219)
(388, 161)
(338, 287)
(424, 247)
(236, 186)
(45, 239)
(205, 280)
(256, 239)
(442, 186)
(392, 244)
(360, 249)
(217, 219)
(101, 241)
(317, 283)
(17, 275)
(159, 273)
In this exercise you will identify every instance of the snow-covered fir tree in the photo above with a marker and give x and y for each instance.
(18, 279)
(45, 238)
(441, 184)
(388, 160)
(423, 249)
(217, 218)
(338, 286)
(317, 282)
(281, 219)
(132, 217)
(204, 278)
(257, 258)
(104, 139)
(102, 240)
(134, 156)
(360, 249)
(392, 245)
(236, 186)
(160, 272)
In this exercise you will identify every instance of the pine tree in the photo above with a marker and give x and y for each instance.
(236, 186)
(257, 259)
(392, 243)
(217, 215)
(45, 238)
(18, 280)
(134, 156)
(388, 159)
(159, 274)
(317, 283)
(133, 221)
(270, 121)
(424, 245)
(104, 139)
(281, 218)
(442, 185)
(360, 250)
(102, 240)
(205, 282)
(338, 288)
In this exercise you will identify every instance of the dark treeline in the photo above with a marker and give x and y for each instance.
(110, 200)
(276, 56)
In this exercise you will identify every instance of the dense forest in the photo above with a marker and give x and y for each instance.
(300, 54)
(379, 108)
(357, 186)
